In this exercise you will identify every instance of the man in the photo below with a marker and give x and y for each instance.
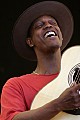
(40, 33)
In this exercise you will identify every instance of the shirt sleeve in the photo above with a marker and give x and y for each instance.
(12, 100)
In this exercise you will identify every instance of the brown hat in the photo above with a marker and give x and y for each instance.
(56, 9)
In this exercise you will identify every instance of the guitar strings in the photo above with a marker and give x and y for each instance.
(74, 75)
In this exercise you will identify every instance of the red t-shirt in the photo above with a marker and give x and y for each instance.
(19, 92)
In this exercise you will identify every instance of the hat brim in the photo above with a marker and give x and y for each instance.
(56, 9)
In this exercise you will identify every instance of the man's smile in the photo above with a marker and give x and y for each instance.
(50, 34)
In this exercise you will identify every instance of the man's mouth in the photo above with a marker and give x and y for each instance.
(50, 34)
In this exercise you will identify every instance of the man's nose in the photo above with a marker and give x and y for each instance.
(47, 25)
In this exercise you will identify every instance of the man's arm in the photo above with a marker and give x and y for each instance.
(45, 112)
(69, 99)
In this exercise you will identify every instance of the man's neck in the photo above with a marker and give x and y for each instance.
(49, 64)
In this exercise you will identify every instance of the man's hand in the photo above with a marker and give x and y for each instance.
(70, 98)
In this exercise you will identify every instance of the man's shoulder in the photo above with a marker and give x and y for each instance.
(18, 79)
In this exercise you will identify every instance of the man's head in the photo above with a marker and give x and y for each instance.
(45, 34)
(59, 12)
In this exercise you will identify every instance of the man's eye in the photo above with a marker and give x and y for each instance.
(53, 23)
(39, 25)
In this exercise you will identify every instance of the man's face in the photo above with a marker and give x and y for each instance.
(46, 34)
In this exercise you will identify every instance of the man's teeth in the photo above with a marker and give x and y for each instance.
(50, 34)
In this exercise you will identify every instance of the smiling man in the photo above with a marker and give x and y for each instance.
(40, 34)
(46, 31)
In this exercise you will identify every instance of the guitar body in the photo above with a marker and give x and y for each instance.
(70, 62)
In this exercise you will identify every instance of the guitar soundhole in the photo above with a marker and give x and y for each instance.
(74, 76)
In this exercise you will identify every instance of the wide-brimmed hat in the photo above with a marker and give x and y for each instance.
(56, 9)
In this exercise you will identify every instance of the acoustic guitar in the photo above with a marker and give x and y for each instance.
(70, 73)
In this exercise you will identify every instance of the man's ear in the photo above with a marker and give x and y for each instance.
(29, 42)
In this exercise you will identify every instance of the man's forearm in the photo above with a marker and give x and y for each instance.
(45, 112)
